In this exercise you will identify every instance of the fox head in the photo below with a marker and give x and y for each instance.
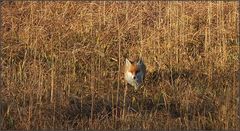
(135, 72)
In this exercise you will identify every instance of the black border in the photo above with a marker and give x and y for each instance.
(237, 26)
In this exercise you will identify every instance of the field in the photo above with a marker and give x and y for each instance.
(62, 65)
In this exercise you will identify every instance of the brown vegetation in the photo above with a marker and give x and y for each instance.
(61, 65)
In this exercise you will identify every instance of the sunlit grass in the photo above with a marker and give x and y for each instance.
(61, 65)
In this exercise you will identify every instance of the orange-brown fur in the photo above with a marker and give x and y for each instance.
(133, 69)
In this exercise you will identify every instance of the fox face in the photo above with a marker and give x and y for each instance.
(135, 73)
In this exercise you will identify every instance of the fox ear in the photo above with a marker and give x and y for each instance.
(128, 63)
(140, 62)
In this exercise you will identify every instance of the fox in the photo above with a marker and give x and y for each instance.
(135, 72)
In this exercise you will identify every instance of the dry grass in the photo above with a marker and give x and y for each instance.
(61, 65)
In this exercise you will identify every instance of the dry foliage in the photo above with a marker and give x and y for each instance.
(61, 65)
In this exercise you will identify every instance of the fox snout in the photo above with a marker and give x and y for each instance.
(135, 73)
